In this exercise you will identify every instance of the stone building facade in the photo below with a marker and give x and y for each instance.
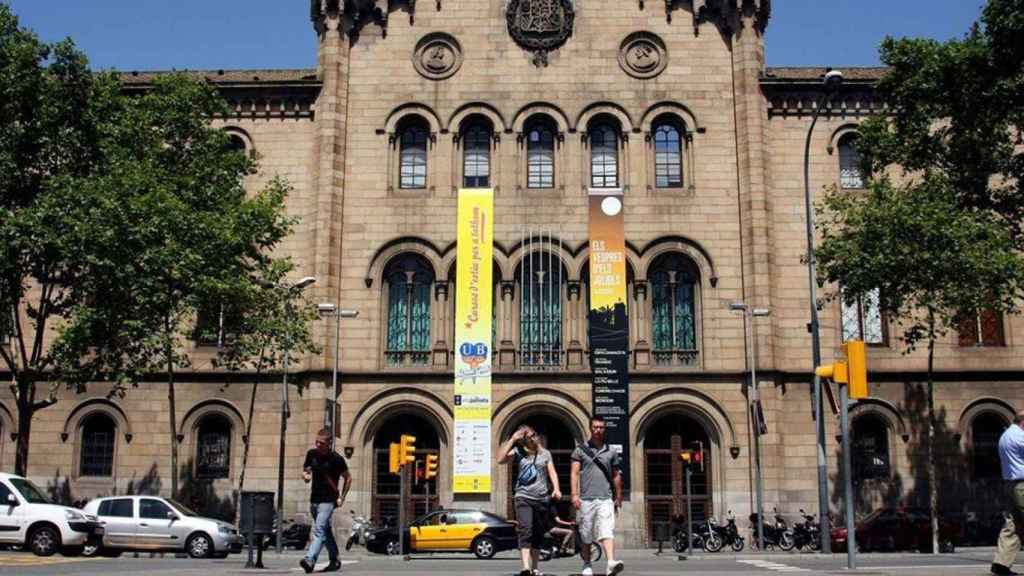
(543, 100)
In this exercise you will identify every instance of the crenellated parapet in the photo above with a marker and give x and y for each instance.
(353, 15)
(727, 14)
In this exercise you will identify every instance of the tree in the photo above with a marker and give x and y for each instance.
(53, 113)
(170, 231)
(263, 319)
(948, 240)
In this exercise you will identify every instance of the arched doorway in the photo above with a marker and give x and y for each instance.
(386, 487)
(664, 475)
(558, 437)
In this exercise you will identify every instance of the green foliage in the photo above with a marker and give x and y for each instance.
(922, 250)
(168, 229)
(956, 108)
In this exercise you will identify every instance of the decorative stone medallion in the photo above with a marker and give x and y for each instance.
(540, 25)
(643, 55)
(437, 56)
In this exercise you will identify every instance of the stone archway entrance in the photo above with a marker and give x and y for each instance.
(559, 438)
(664, 475)
(385, 485)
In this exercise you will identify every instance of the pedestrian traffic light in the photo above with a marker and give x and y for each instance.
(431, 471)
(853, 372)
(406, 449)
(394, 462)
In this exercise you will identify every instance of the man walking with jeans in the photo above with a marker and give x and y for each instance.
(1011, 457)
(324, 467)
(596, 471)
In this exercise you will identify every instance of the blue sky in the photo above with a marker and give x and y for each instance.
(239, 34)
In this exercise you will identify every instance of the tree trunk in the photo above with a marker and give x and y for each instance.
(173, 419)
(24, 403)
(248, 438)
(933, 484)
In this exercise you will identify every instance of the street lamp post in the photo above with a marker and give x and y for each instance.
(833, 79)
(327, 310)
(285, 411)
(754, 408)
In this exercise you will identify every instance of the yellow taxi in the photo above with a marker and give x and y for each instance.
(482, 533)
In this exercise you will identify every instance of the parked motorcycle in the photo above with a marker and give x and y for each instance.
(680, 534)
(361, 528)
(807, 534)
(776, 534)
(722, 536)
(295, 535)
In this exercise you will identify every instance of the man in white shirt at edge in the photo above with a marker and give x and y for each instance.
(1011, 457)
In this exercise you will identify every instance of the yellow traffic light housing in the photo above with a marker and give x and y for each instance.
(431, 470)
(394, 462)
(857, 368)
(853, 372)
(686, 456)
(406, 449)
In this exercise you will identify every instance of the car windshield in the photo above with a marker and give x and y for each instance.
(182, 508)
(29, 491)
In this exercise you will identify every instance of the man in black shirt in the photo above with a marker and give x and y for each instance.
(324, 468)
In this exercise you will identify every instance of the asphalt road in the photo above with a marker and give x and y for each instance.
(973, 562)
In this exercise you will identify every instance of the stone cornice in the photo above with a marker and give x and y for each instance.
(725, 12)
(249, 93)
(795, 91)
(357, 13)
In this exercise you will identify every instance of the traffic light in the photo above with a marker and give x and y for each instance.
(686, 456)
(853, 372)
(857, 368)
(394, 462)
(406, 449)
(431, 471)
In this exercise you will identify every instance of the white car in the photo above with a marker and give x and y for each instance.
(154, 523)
(27, 518)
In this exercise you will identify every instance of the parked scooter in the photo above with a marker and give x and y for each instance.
(776, 534)
(361, 528)
(722, 536)
(295, 535)
(807, 534)
(680, 534)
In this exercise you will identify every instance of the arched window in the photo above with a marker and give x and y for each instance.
(476, 154)
(604, 155)
(668, 155)
(540, 309)
(213, 447)
(673, 280)
(97, 449)
(870, 450)
(412, 146)
(986, 429)
(236, 143)
(851, 175)
(863, 319)
(540, 154)
(408, 281)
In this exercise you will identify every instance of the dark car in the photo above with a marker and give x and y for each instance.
(890, 529)
(481, 533)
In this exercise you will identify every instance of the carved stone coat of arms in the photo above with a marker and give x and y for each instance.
(540, 25)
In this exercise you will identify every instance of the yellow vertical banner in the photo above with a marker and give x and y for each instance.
(474, 293)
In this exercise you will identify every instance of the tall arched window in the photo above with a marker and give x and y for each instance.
(540, 154)
(985, 432)
(476, 153)
(213, 447)
(863, 319)
(540, 309)
(673, 280)
(408, 281)
(870, 450)
(412, 145)
(851, 175)
(604, 155)
(97, 450)
(668, 154)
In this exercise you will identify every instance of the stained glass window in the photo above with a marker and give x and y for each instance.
(673, 284)
(408, 283)
(863, 320)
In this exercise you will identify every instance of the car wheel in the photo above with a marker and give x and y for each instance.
(484, 547)
(392, 548)
(199, 546)
(44, 541)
